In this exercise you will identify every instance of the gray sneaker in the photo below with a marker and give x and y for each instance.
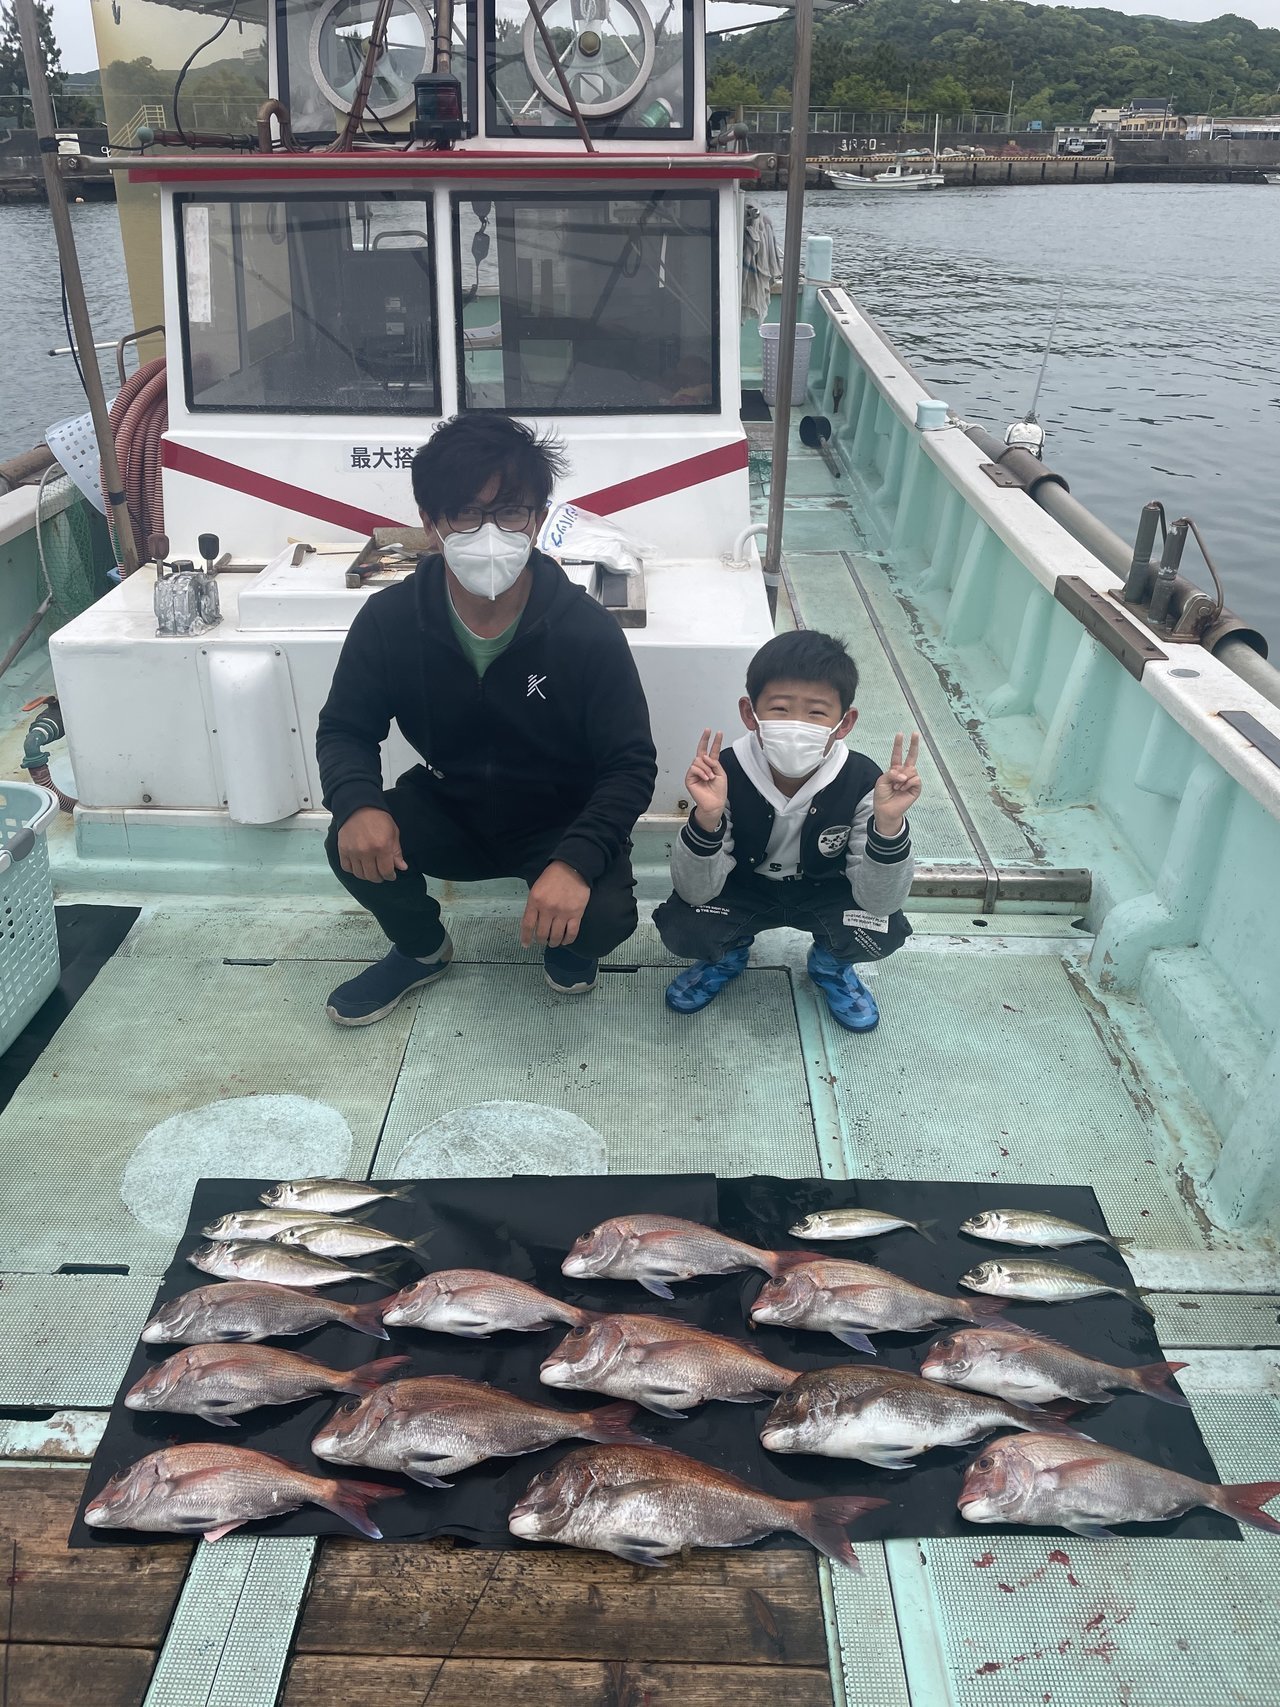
(373, 993)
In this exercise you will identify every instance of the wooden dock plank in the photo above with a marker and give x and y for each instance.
(121, 1597)
(55, 1675)
(434, 1600)
(357, 1681)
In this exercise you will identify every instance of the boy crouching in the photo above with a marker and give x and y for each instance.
(790, 827)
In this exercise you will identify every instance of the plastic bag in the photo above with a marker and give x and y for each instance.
(574, 535)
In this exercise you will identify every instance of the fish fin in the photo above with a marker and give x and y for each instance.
(1244, 1502)
(636, 1551)
(1156, 1379)
(925, 1229)
(659, 1288)
(1092, 1531)
(222, 1529)
(824, 1524)
(405, 1192)
(661, 1410)
(351, 1501)
(981, 1308)
(1118, 1243)
(1137, 1295)
(367, 1319)
(611, 1422)
(218, 1421)
(777, 1263)
(370, 1375)
(858, 1341)
(415, 1468)
(886, 1458)
(419, 1250)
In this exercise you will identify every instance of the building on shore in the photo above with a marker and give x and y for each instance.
(1214, 127)
(1142, 117)
(1105, 120)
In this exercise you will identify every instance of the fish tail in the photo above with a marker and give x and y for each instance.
(982, 1308)
(404, 1193)
(824, 1524)
(1244, 1502)
(1156, 1379)
(1120, 1244)
(367, 1319)
(925, 1229)
(1137, 1295)
(575, 1317)
(418, 1248)
(371, 1375)
(611, 1423)
(351, 1501)
(777, 1263)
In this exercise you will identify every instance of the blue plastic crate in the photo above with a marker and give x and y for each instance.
(29, 964)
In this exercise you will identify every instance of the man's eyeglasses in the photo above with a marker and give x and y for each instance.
(514, 518)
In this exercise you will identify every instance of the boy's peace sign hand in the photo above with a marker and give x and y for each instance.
(898, 789)
(706, 782)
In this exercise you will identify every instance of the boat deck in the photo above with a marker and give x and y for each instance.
(996, 1059)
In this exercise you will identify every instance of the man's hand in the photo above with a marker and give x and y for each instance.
(369, 846)
(555, 907)
(707, 784)
(897, 791)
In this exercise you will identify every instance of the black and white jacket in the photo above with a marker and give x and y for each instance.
(824, 833)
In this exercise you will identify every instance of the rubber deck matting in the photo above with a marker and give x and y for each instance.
(524, 1226)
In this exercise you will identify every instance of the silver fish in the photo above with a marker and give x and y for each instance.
(258, 1223)
(645, 1503)
(664, 1365)
(249, 1310)
(219, 1382)
(1082, 1486)
(472, 1303)
(855, 1224)
(657, 1249)
(853, 1299)
(1031, 1369)
(883, 1417)
(1043, 1282)
(332, 1196)
(436, 1425)
(210, 1490)
(337, 1239)
(248, 1259)
(1030, 1227)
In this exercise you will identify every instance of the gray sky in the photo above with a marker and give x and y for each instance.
(73, 23)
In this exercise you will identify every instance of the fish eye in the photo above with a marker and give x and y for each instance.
(986, 1461)
(579, 1333)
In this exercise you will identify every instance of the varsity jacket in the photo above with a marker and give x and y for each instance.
(555, 736)
(825, 833)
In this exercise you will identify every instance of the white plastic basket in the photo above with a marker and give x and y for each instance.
(29, 964)
(800, 367)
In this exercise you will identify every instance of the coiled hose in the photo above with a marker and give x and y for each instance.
(138, 420)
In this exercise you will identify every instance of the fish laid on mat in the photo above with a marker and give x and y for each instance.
(247, 1310)
(218, 1382)
(884, 1417)
(250, 1259)
(667, 1366)
(855, 1224)
(1082, 1486)
(657, 1249)
(331, 1196)
(434, 1425)
(331, 1237)
(1030, 1369)
(473, 1303)
(1043, 1282)
(262, 1223)
(853, 1299)
(1030, 1227)
(645, 1503)
(209, 1490)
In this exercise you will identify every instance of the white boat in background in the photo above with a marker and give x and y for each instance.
(1272, 178)
(896, 178)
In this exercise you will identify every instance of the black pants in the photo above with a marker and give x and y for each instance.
(453, 847)
(748, 905)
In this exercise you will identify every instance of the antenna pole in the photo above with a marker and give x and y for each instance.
(792, 245)
(55, 189)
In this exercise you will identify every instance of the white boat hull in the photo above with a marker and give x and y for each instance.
(887, 181)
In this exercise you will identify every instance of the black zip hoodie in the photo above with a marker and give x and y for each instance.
(555, 736)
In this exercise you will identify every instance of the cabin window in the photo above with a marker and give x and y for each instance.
(309, 304)
(586, 304)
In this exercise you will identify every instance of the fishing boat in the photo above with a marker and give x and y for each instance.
(896, 177)
(1090, 997)
(1271, 177)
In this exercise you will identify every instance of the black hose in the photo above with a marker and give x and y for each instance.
(191, 59)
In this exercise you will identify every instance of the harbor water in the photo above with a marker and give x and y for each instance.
(1163, 382)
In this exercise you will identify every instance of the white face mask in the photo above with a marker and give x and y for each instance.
(794, 749)
(488, 561)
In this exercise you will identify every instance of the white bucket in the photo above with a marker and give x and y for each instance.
(800, 367)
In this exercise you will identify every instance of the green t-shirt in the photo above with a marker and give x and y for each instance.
(480, 650)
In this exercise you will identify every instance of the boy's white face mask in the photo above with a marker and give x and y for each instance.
(794, 749)
(488, 561)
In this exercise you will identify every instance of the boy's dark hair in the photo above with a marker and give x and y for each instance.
(466, 452)
(804, 656)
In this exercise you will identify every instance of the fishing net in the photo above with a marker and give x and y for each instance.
(64, 542)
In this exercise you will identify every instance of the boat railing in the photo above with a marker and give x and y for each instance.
(1127, 750)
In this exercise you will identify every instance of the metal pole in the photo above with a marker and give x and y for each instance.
(792, 244)
(55, 189)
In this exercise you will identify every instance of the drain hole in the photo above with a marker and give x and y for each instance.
(248, 962)
(93, 1268)
(619, 968)
(983, 922)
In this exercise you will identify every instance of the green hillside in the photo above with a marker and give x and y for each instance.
(962, 55)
